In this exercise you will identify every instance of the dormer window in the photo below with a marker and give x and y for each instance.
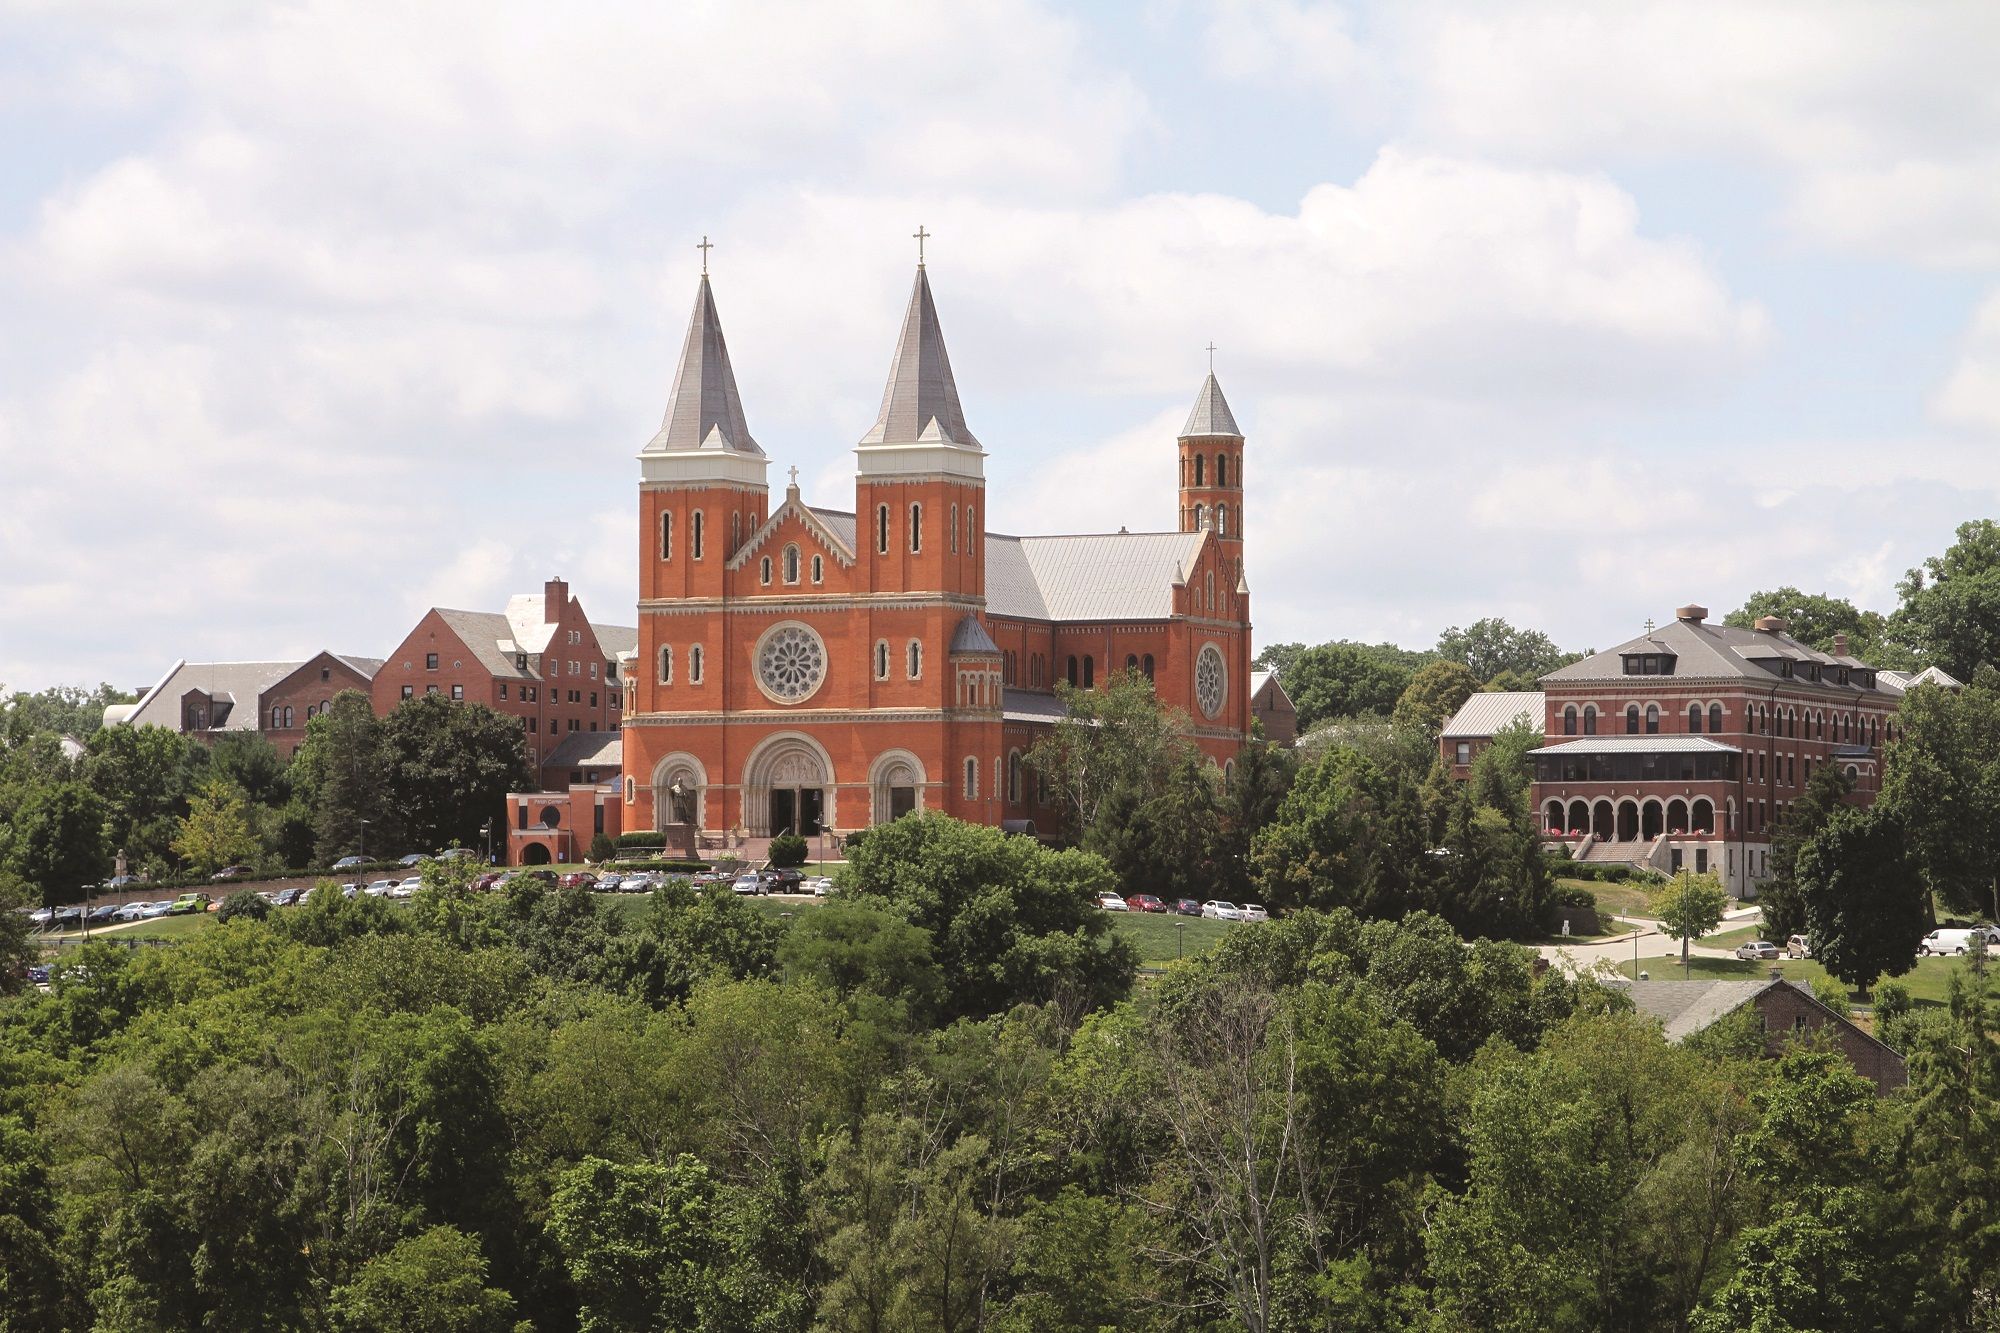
(1649, 664)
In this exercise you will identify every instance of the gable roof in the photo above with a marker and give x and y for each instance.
(1211, 415)
(587, 749)
(616, 640)
(920, 401)
(1488, 713)
(482, 633)
(1705, 651)
(839, 542)
(1686, 1007)
(239, 684)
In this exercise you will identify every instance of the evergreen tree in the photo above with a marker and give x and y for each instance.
(1865, 909)
(1780, 898)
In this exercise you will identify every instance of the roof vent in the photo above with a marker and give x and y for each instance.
(1693, 613)
(1840, 645)
(1771, 625)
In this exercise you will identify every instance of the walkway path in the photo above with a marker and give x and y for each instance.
(1652, 943)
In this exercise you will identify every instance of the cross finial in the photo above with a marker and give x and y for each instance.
(795, 478)
(921, 236)
(1649, 624)
(1211, 358)
(704, 247)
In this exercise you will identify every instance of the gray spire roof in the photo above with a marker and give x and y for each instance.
(1211, 415)
(705, 411)
(920, 404)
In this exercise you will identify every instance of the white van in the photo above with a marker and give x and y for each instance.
(1956, 941)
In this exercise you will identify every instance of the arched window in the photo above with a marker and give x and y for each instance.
(1200, 517)
(1146, 665)
(882, 529)
(666, 665)
(694, 665)
(1210, 591)
(696, 539)
(1131, 663)
(954, 529)
(1198, 462)
(914, 659)
(1694, 717)
(1715, 717)
(1074, 678)
(764, 571)
(666, 536)
(971, 778)
(1089, 672)
(323, 706)
(819, 569)
(916, 528)
(288, 715)
(791, 564)
(1569, 720)
(1590, 719)
(1222, 469)
(1014, 776)
(735, 533)
(1221, 514)
(1631, 719)
(881, 659)
(1652, 719)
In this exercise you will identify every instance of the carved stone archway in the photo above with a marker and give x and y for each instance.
(895, 786)
(687, 806)
(788, 786)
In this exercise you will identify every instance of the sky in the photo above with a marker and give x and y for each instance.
(315, 315)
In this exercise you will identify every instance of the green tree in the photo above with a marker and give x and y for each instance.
(342, 769)
(56, 842)
(788, 850)
(1340, 679)
(1950, 612)
(1492, 648)
(1865, 908)
(1167, 840)
(1009, 920)
(1434, 694)
(432, 1282)
(215, 832)
(1781, 899)
(451, 766)
(252, 763)
(1348, 834)
(1688, 907)
(1504, 771)
(1941, 782)
(1117, 738)
(60, 710)
(247, 904)
(17, 948)
(857, 948)
(144, 775)
(1814, 618)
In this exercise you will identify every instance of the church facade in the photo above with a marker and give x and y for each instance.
(819, 670)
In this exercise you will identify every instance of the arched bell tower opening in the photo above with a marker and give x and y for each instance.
(1211, 466)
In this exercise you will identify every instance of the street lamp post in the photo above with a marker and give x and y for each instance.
(364, 839)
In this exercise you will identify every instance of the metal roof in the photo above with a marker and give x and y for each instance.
(971, 637)
(1030, 706)
(616, 640)
(1707, 651)
(239, 684)
(588, 749)
(920, 402)
(1638, 745)
(1686, 1007)
(1211, 415)
(482, 633)
(704, 411)
(1491, 712)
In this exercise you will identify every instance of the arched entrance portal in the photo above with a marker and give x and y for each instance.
(786, 787)
(895, 786)
(534, 854)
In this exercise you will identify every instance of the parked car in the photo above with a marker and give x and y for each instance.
(120, 883)
(67, 918)
(458, 854)
(1187, 907)
(1757, 950)
(784, 881)
(159, 908)
(487, 881)
(288, 897)
(41, 917)
(408, 888)
(38, 975)
(583, 879)
(1217, 910)
(414, 858)
(1111, 902)
(1145, 902)
(231, 872)
(101, 914)
(1957, 940)
(189, 903)
(131, 912)
(349, 862)
(1798, 946)
(750, 883)
(819, 886)
(1252, 912)
(380, 888)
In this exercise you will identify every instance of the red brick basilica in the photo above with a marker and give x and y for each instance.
(812, 669)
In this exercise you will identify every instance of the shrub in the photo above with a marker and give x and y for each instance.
(244, 903)
(642, 839)
(602, 848)
(788, 850)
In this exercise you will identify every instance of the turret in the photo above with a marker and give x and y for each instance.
(1211, 466)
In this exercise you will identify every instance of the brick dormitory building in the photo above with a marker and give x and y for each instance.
(1686, 745)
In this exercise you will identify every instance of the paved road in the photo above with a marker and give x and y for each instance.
(1652, 944)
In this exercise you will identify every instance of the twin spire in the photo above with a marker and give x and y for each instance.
(920, 403)
(704, 411)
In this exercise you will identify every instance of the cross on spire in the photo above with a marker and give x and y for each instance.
(795, 478)
(1211, 358)
(920, 236)
(704, 247)
(1649, 624)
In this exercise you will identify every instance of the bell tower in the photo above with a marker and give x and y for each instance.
(1211, 463)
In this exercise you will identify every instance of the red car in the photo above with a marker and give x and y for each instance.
(1145, 902)
(1187, 907)
(579, 879)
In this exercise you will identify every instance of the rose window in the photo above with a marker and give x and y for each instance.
(1210, 680)
(791, 663)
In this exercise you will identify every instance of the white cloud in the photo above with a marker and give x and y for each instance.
(1971, 395)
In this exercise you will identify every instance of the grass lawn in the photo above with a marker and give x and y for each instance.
(1614, 899)
(1926, 980)
(159, 928)
(1610, 926)
(1729, 939)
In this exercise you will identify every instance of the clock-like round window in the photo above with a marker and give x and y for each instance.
(791, 663)
(1211, 680)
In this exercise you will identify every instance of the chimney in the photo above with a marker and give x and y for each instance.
(1771, 625)
(1692, 614)
(1840, 645)
(555, 600)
